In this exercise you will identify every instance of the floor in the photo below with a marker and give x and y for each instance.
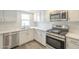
(32, 45)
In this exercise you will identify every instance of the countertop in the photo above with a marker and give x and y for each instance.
(7, 31)
(73, 35)
(40, 28)
(15, 30)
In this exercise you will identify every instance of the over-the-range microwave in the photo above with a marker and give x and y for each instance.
(59, 16)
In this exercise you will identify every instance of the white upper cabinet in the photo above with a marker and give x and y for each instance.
(1, 16)
(73, 15)
(10, 15)
(41, 16)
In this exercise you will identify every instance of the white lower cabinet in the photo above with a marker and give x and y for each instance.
(1, 41)
(40, 36)
(25, 36)
(10, 40)
(43, 38)
(72, 43)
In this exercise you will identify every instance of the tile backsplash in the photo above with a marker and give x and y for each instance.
(44, 24)
(51, 24)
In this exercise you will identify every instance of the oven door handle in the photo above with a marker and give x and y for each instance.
(57, 38)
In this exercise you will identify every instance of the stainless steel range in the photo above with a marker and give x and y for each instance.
(56, 38)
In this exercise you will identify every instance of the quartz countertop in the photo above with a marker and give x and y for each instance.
(7, 31)
(73, 35)
(12, 30)
(41, 28)
(20, 29)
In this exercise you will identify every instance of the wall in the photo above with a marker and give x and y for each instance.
(73, 15)
(74, 21)
(74, 27)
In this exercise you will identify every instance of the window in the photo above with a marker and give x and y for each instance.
(25, 19)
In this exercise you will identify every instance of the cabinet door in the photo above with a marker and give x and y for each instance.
(1, 16)
(38, 36)
(73, 15)
(23, 37)
(43, 36)
(72, 43)
(10, 15)
(30, 34)
(35, 34)
(1, 41)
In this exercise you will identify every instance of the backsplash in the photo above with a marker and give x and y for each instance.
(64, 24)
(51, 24)
(44, 24)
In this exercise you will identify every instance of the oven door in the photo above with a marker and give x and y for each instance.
(58, 44)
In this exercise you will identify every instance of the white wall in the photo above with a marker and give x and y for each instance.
(74, 27)
(74, 21)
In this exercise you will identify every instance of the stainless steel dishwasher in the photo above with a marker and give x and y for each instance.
(14, 39)
(6, 40)
(10, 40)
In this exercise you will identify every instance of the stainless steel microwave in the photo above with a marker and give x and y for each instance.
(59, 16)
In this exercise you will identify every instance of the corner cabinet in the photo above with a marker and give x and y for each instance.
(25, 36)
(40, 36)
(73, 15)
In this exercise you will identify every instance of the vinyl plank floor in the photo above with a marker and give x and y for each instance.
(31, 45)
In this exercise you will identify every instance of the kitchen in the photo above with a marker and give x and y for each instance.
(39, 29)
